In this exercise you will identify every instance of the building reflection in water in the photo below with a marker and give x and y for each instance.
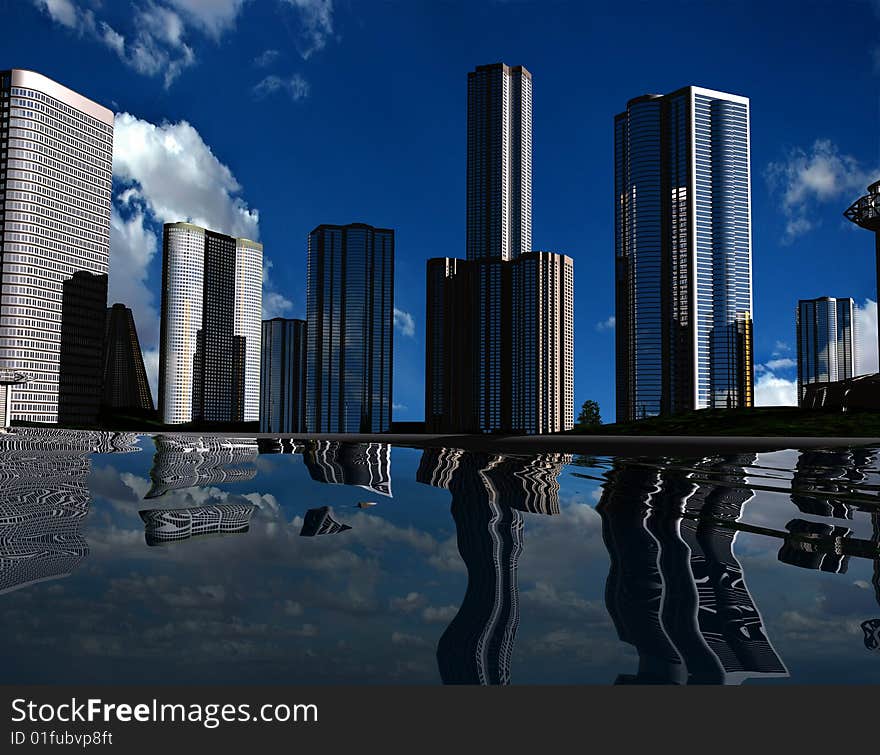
(366, 465)
(163, 526)
(44, 498)
(675, 590)
(489, 495)
(320, 521)
(186, 461)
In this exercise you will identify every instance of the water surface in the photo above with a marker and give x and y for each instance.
(202, 559)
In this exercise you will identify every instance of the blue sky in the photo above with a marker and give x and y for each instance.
(268, 117)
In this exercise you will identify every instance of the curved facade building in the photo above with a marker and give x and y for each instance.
(209, 357)
(56, 153)
(683, 253)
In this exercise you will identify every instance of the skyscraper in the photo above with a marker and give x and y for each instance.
(683, 253)
(543, 342)
(56, 151)
(825, 341)
(350, 315)
(81, 351)
(209, 358)
(283, 376)
(499, 162)
(499, 350)
(125, 379)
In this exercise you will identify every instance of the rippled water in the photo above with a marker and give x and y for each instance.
(202, 559)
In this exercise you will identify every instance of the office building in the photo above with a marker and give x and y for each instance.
(283, 376)
(683, 253)
(543, 343)
(56, 149)
(350, 316)
(126, 387)
(826, 342)
(163, 526)
(81, 350)
(209, 356)
(499, 349)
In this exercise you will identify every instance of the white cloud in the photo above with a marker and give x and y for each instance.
(62, 12)
(607, 324)
(399, 407)
(176, 175)
(214, 17)
(159, 43)
(405, 323)
(317, 24)
(809, 178)
(781, 347)
(163, 173)
(785, 363)
(266, 58)
(771, 390)
(275, 304)
(866, 338)
(295, 86)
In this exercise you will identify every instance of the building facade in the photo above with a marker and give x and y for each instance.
(283, 376)
(499, 350)
(826, 342)
(125, 378)
(350, 317)
(209, 349)
(56, 149)
(81, 348)
(683, 253)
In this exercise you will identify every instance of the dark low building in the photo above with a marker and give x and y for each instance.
(81, 357)
(126, 387)
(858, 393)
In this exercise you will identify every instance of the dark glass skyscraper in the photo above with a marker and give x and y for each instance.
(683, 253)
(499, 350)
(81, 357)
(125, 378)
(283, 376)
(825, 341)
(350, 315)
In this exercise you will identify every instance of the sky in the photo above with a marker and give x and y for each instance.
(265, 118)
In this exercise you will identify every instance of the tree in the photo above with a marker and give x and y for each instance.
(589, 414)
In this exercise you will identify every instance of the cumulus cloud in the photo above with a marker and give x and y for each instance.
(607, 324)
(159, 43)
(295, 86)
(785, 363)
(316, 17)
(808, 178)
(772, 390)
(405, 323)
(164, 173)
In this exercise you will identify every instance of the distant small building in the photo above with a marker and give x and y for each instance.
(826, 343)
(283, 376)
(125, 378)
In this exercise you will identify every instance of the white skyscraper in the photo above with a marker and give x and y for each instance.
(212, 301)
(56, 150)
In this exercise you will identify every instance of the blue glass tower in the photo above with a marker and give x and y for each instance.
(825, 341)
(349, 311)
(283, 376)
(683, 253)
